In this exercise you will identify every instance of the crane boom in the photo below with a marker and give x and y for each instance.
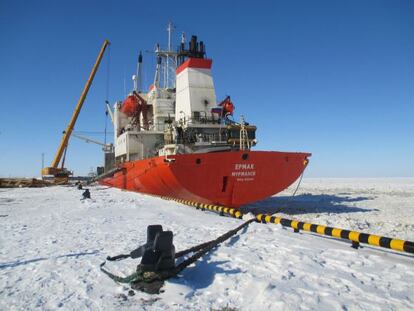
(54, 169)
(106, 147)
(90, 140)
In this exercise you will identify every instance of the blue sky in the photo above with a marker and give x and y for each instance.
(335, 78)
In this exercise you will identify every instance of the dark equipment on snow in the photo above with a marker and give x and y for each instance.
(86, 194)
(157, 254)
(158, 258)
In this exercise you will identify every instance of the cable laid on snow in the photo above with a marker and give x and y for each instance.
(223, 210)
(354, 236)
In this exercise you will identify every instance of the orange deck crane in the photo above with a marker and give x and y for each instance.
(61, 174)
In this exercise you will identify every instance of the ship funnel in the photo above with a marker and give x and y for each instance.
(138, 76)
(195, 93)
(193, 44)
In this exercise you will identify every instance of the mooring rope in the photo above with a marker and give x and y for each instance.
(297, 187)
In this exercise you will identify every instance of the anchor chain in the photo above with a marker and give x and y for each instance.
(152, 281)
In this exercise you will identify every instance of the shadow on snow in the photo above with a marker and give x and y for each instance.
(17, 263)
(307, 204)
(201, 274)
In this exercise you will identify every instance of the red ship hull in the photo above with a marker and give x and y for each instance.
(222, 178)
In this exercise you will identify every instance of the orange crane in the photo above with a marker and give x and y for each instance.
(61, 174)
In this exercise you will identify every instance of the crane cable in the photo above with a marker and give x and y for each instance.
(64, 156)
(108, 64)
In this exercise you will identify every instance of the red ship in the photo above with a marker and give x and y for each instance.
(176, 140)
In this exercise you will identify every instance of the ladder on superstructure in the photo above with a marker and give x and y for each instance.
(244, 138)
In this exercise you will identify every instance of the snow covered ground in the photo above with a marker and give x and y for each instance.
(52, 243)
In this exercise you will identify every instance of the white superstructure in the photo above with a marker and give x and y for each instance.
(196, 95)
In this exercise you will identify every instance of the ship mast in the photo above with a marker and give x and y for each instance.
(158, 68)
(169, 30)
(169, 61)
